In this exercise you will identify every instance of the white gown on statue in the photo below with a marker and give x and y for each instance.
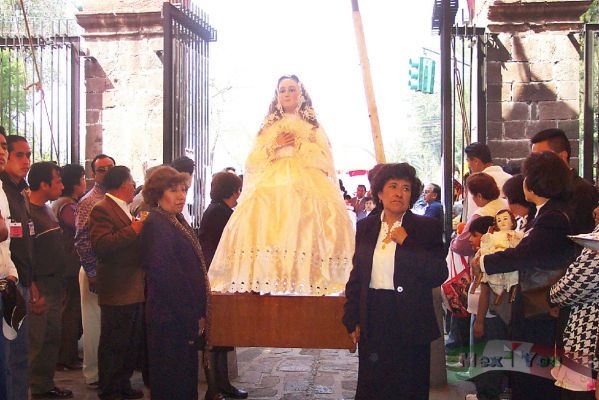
(290, 233)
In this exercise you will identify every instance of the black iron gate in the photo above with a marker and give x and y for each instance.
(469, 90)
(187, 34)
(43, 109)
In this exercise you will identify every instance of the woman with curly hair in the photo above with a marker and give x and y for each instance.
(290, 233)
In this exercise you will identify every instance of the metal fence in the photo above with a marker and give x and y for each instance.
(469, 97)
(187, 34)
(463, 99)
(45, 110)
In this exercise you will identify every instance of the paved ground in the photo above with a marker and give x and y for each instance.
(287, 374)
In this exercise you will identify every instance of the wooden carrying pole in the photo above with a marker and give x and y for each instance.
(379, 152)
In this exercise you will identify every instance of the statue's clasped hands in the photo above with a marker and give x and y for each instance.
(285, 139)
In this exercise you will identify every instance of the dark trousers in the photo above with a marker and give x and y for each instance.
(388, 367)
(44, 336)
(459, 335)
(71, 322)
(527, 386)
(120, 345)
(488, 385)
(173, 360)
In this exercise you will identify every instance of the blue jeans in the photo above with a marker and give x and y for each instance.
(14, 383)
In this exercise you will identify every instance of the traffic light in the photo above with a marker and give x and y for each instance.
(427, 68)
(414, 82)
(422, 75)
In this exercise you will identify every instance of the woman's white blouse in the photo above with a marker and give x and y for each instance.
(383, 262)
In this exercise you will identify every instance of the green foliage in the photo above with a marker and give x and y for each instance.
(13, 104)
(422, 146)
(592, 13)
(36, 9)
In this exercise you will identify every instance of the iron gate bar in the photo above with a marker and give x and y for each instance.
(447, 144)
(167, 120)
(590, 31)
(481, 89)
(74, 104)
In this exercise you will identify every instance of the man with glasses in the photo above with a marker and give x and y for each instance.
(90, 310)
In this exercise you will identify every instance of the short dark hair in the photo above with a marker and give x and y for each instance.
(2, 131)
(395, 171)
(346, 197)
(480, 151)
(481, 225)
(12, 139)
(115, 177)
(513, 191)
(556, 139)
(436, 190)
(362, 186)
(184, 164)
(483, 184)
(368, 198)
(223, 185)
(98, 157)
(71, 175)
(546, 175)
(41, 172)
(160, 180)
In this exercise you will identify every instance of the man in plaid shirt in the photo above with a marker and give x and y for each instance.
(90, 310)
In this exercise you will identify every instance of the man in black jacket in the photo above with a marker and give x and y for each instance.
(582, 197)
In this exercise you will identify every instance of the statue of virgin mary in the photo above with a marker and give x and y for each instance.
(290, 233)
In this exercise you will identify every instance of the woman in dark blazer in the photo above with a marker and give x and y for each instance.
(542, 258)
(224, 192)
(177, 288)
(389, 312)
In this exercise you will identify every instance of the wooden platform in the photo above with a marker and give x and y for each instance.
(252, 320)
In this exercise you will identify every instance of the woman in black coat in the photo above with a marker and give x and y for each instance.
(177, 288)
(399, 259)
(541, 259)
(224, 192)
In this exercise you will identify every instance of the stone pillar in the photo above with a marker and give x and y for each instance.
(533, 74)
(123, 81)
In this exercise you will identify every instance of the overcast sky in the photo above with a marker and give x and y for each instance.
(258, 41)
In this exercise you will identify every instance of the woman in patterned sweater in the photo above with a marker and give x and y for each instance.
(578, 289)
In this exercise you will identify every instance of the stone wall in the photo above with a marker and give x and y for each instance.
(533, 74)
(123, 83)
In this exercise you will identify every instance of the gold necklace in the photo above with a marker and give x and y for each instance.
(387, 231)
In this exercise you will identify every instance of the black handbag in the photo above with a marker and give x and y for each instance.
(535, 284)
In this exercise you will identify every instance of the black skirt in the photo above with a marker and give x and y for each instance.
(390, 368)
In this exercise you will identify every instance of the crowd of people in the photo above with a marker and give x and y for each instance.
(123, 266)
